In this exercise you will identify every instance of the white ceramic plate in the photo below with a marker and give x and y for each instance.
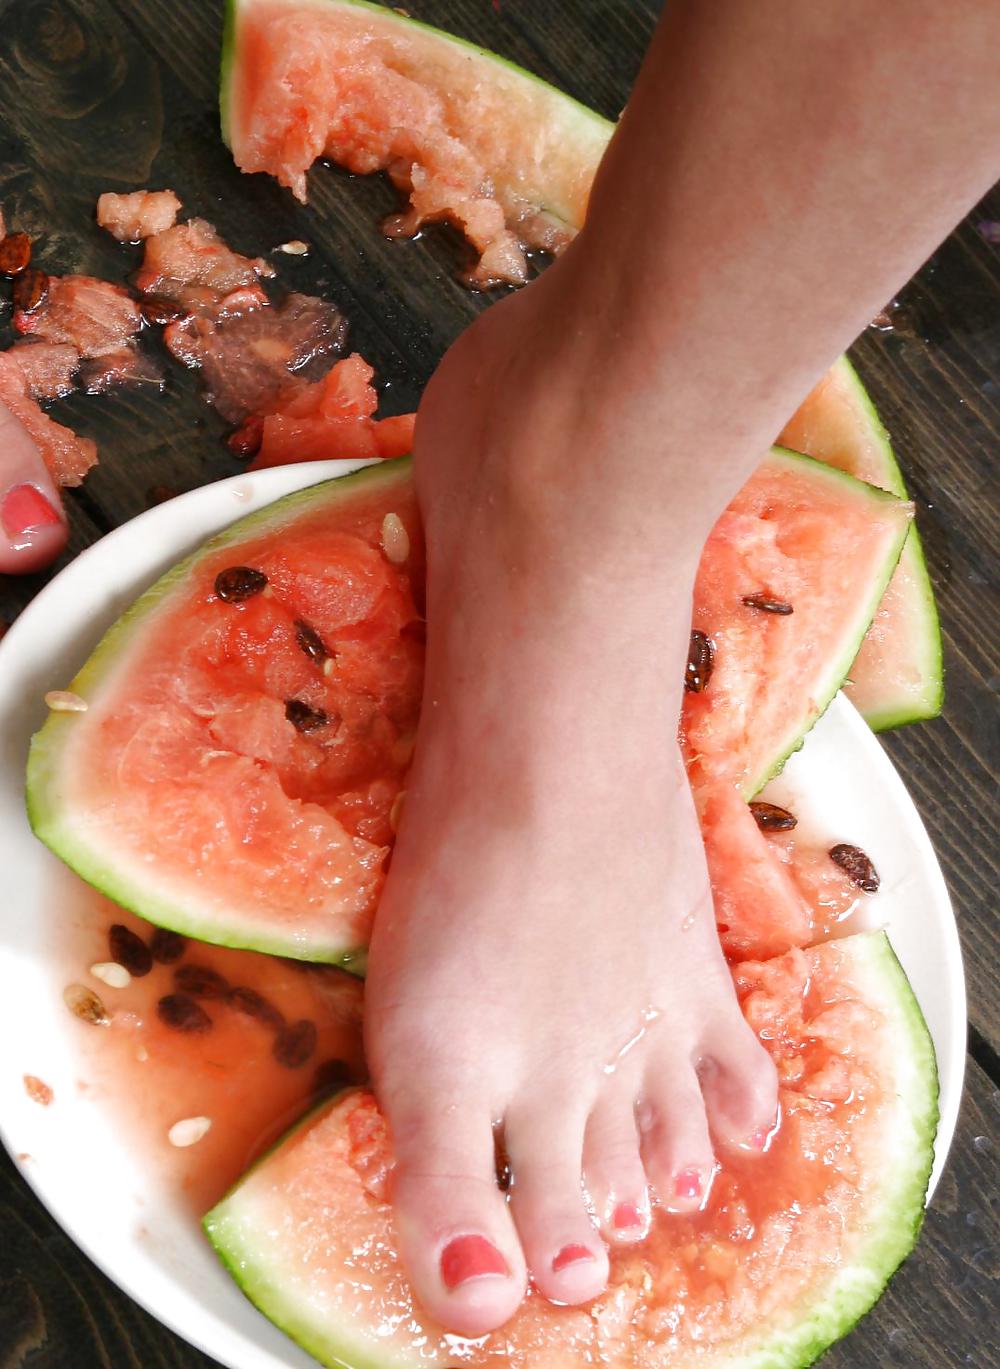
(841, 784)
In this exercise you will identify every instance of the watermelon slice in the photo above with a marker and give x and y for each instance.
(371, 89)
(234, 773)
(791, 1249)
(472, 138)
(897, 677)
(250, 720)
(796, 530)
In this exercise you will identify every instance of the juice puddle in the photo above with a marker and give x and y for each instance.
(247, 1041)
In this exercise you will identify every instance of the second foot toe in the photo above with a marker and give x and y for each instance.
(566, 1258)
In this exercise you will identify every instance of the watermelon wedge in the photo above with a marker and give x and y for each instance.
(898, 676)
(370, 89)
(249, 722)
(791, 1249)
(472, 138)
(233, 776)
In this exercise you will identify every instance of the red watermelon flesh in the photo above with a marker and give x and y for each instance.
(332, 419)
(188, 761)
(67, 456)
(508, 160)
(771, 891)
(253, 749)
(799, 539)
(790, 1249)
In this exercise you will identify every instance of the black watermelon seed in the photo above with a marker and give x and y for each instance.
(130, 950)
(238, 583)
(31, 290)
(255, 1005)
(180, 1011)
(166, 947)
(501, 1162)
(311, 642)
(295, 1043)
(201, 982)
(15, 254)
(856, 866)
(767, 605)
(330, 1077)
(303, 718)
(701, 659)
(771, 818)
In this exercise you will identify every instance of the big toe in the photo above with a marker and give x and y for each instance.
(740, 1086)
(456, 1237)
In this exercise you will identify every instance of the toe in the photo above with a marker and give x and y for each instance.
(740, 1086)
(566, 1257)
(612, 1170)
(676, 1145)
(456, 1236)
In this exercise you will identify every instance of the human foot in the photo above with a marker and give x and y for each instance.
(545, 960)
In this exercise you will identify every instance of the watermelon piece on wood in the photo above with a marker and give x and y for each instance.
(897, 677)
(791, 1248)
(470, 137)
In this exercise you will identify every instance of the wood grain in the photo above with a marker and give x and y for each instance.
(112, 94)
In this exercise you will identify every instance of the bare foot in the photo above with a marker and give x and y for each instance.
(545, 958)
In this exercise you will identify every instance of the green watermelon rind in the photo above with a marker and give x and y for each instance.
(795, 1340)
(925, 626)
(575, 114)
(221, 1226)
(839, 669)
(928, 655)
(895, 1228)
(53, 825)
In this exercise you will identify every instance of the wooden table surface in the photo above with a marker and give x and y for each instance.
(114, 94)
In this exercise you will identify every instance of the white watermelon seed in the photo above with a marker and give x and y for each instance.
(111, 973)
(396, 811)
(395, 539)
(188, 1131)
(295, 248)
(65, 701)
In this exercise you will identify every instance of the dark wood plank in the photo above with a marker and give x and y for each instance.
(111, 94)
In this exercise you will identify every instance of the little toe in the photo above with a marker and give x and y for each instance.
(456, 1236)
(612, 1170)
(740, 1087)
(676, 1145)
(566, 1257)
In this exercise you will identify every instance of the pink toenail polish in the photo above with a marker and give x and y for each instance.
(688, 1184)
(24, 508)
(571, 1254)
(470, 1257)
(625, 1217)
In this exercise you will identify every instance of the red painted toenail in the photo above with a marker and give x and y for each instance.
(571, 1254)
(23, 509)
(470, 1257)
(626, 1216)
(688, 1184)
